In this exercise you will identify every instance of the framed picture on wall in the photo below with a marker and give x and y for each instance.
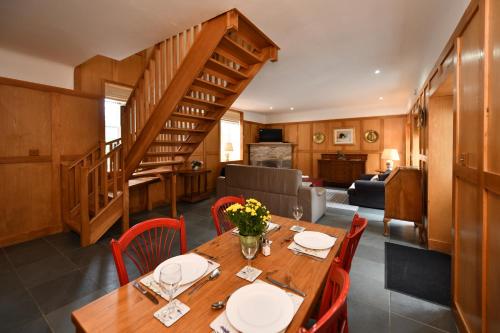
(343, 136)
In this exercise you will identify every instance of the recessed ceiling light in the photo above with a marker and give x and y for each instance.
(381, 98)
(292, 108)
(270, 108)
(377, 71)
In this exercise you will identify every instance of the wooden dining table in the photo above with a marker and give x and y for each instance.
(127, 310)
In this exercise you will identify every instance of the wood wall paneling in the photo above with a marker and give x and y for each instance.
(301, 134)
(50, 125)
(468, 259)
(440, 171)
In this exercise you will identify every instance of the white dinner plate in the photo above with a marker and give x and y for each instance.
(192, 267)
(259, 308)
(314, 240)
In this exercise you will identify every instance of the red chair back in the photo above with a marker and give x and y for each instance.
(147, 244)
(333, 309)
(221, 220)
(350, 244)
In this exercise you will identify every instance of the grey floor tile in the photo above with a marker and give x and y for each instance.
(16, 309)
(44, 270)
(65, 241)
(429, 313)
(405, 325)
(28, 252)
(368, 268)
(63, 290)
(363, 318)
(371, 253)
(85, 256)
(365, 289)
(103, 273)
(60, 319)
(38, 325)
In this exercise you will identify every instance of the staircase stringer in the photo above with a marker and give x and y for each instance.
(191, 66)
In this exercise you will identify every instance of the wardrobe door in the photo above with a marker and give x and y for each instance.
(492, 173)
(467, 169)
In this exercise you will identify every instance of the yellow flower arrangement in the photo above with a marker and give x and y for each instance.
(251, 218)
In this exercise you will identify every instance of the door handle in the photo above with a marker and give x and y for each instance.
(462, 159)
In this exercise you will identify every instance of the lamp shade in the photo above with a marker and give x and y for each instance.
(390, 154)
(228, 146)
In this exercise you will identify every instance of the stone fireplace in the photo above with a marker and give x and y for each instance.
(271, 154)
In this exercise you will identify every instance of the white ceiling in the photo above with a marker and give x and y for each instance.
(329, 48)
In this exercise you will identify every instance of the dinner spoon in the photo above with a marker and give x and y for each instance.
(220, 304)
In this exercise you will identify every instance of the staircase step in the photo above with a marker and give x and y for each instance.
(173, 130)
(146, 165)
(239, 51)
(201, 102)
(167, 153)
(225, 70)
(172, 143)
(192, 116)
(212, 86)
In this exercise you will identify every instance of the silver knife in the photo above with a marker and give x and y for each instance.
(285, 286)
(146, 293)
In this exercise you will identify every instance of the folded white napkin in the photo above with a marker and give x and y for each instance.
(222, 325)
(271, 227)
(317, 253)
(169, 319)
(149, 281)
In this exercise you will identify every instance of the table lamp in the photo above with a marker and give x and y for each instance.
(390, 155)
(228, 148)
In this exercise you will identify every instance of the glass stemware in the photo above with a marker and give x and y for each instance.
(249, 247)
(170, 277)
(297, 212)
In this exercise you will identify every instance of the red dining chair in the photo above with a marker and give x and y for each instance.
(221, 220)
(333, 308)
(350, 243)
(147, 244)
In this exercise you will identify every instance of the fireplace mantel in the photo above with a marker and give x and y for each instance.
(271, 154)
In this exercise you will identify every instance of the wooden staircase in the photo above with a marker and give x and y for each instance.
(191, 79)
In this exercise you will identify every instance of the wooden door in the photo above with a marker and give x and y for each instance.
(467, 170)
(492, 174)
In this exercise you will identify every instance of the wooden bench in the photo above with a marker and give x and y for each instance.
(138, 185)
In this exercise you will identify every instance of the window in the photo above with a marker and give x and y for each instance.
(112, 119)
(230, 136)
(116, 97)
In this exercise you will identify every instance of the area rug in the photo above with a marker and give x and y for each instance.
(420, 273)
(339, 199)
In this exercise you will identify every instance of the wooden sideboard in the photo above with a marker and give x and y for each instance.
(341, 169)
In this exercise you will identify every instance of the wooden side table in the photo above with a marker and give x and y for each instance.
(193, 189)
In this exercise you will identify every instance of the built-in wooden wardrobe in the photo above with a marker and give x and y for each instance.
(458, 150)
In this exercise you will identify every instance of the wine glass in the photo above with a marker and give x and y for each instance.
(249, 248)
(297, 212)
(170, 277)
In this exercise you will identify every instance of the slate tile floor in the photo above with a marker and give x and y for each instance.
(44, 280)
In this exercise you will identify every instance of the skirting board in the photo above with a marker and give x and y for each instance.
(439, 246)
(26, 236)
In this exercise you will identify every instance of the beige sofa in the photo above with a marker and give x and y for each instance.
(278, 189)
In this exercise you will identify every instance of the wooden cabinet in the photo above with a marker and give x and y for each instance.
(403, 198)
(341, 169)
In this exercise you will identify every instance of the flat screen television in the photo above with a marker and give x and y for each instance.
(270, 135)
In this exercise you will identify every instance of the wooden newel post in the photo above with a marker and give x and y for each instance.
(84, 207)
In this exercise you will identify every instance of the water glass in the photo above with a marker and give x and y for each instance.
(170, 277)
(249, 248)
(297, 212)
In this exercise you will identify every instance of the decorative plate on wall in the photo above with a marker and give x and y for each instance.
(319, 137)
(371, 136)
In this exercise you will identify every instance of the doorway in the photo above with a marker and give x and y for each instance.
(440, 165)
(116, 96)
